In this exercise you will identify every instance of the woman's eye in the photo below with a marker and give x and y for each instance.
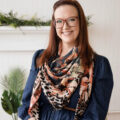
(58, 21)
(72, 19)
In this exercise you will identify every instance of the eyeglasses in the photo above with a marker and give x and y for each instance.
(71, 22)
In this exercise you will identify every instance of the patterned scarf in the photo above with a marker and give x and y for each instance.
(59, 79)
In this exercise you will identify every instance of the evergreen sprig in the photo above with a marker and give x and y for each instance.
(11, 19)
(88, 20)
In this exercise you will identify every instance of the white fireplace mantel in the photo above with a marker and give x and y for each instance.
(26, 38)
(26, 29)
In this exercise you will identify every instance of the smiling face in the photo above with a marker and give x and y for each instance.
(68, 15)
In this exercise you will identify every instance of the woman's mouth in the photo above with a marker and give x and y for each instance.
(67, 32)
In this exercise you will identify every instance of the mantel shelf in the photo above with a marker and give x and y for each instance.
(24, 29)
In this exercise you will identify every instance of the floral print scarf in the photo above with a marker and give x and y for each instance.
(58, 80)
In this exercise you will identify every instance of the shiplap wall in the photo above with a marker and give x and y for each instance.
(17, 47)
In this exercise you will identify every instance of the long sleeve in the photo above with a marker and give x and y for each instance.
(23, 110)
(101, 91)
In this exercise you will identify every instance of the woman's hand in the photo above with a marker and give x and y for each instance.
(31, 118)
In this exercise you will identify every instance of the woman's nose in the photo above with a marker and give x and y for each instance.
(65, 25)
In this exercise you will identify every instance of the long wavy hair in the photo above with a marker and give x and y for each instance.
(85, 50)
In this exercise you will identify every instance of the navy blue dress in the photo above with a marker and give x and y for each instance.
(99, 100)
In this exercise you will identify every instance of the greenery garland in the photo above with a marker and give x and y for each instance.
(11, 19)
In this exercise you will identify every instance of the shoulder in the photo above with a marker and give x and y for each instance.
(36, 55)
(99, 59)
(101, 64)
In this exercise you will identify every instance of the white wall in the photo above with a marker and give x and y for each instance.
(103, 34)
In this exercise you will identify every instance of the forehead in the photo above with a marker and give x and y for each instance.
(65, 11)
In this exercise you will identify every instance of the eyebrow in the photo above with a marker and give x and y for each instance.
(66, 18)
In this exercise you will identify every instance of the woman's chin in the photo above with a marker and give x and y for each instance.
(68, 40)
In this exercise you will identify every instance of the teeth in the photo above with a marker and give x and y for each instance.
(67, 33)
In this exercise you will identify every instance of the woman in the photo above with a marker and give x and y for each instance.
(68, 80)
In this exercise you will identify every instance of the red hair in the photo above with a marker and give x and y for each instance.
(85, 50)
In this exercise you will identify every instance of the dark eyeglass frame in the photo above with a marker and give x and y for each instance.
(64, 21)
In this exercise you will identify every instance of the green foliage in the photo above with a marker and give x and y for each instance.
(12, 20)
(11, 101)
(88, 20)
(13, 85)
(6, 102)
(14, 81)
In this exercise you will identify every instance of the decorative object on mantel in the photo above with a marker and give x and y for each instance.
(13, 85)
(88, 20)
(11, 19)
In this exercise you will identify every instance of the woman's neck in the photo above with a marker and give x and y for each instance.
(66, 49)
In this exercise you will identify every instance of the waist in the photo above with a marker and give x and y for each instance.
(68, 108)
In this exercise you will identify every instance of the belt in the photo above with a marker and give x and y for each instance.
(68, 108)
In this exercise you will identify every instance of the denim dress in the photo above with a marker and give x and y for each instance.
(99, 100)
